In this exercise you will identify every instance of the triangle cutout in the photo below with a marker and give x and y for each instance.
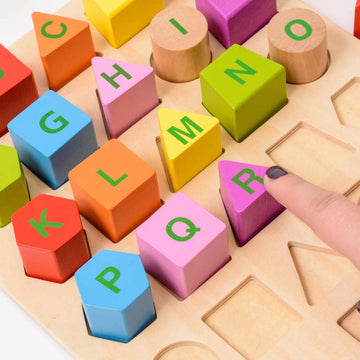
(319, 270)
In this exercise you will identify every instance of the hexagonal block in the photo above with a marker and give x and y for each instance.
(182, 244)
(116, 295)
(50, 238)
(13, 187)
(52, 136)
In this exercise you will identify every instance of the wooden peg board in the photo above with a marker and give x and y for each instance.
(284, 295)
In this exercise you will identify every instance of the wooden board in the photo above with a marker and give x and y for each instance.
(284, 295)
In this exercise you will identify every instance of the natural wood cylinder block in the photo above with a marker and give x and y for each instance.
(297, 40)
(180, 42)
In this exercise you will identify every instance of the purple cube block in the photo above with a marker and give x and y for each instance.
(234, 21)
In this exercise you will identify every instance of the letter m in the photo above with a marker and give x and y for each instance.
(179, 134)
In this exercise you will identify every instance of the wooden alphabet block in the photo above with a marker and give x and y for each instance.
(234, 21)
(297, 40)
(13, 187)
(190, 142)
(119, 20)
(182, 245)
(127, 92)
(248, 205)
(52, 136)
(357, 19)
(180, 43)
(115, 189)
(243, 89)
(17, 87)
(65, 46)
(116, 295)
(50, 238)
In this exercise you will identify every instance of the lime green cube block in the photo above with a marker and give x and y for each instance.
(13, 187)
(243, 90)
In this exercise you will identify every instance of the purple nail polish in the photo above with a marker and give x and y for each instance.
(358, 307)
(274, 172)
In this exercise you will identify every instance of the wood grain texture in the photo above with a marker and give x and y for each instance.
(297, 40)
(180, 42)
(266, 257)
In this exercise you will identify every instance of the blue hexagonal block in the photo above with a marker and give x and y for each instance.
(116, 296)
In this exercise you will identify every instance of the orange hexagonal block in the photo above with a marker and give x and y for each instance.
(50, 238)
(115, 189)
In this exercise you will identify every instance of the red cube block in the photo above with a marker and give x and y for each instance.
(17, 87)
(357, 20)
(50, 238)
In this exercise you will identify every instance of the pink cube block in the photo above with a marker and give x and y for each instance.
(234, 21)
(182, 245)
(127, 92)
(248, 205)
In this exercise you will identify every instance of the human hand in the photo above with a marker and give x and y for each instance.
(332, 217)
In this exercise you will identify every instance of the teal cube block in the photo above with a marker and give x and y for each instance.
(116, 296)
(243, 90)
(52, 136)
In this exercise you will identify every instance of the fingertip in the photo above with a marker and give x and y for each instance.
(275, 172)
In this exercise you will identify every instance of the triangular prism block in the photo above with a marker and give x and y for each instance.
(127, 92)
(65, 46)
(190, 142)
(248, 205)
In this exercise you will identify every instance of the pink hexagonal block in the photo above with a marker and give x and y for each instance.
(234, 21)
(248, 205)
(182, 244)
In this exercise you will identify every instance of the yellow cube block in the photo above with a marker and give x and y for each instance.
(120, 20)
(190, 142)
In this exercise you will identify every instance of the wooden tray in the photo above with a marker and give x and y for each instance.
(284, 295)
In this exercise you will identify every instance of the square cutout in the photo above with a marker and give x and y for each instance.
(310, 153)
(262, 318)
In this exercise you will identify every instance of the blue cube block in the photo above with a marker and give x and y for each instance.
(116, 296)
(52, 136)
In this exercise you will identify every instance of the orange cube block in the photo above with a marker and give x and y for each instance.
(17, 87)
(50, 238)
(65, 46)
(115, 189)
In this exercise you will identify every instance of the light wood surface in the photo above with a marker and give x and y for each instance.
(264, 279)
(180, 42)
(297, 40)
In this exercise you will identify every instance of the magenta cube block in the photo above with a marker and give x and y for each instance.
(182, 245)
(234, 21)
(248, 205)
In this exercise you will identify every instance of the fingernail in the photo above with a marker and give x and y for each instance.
(274, 172)
(358, 306)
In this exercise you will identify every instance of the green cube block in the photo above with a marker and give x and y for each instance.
(13, 187)
(243, 90)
